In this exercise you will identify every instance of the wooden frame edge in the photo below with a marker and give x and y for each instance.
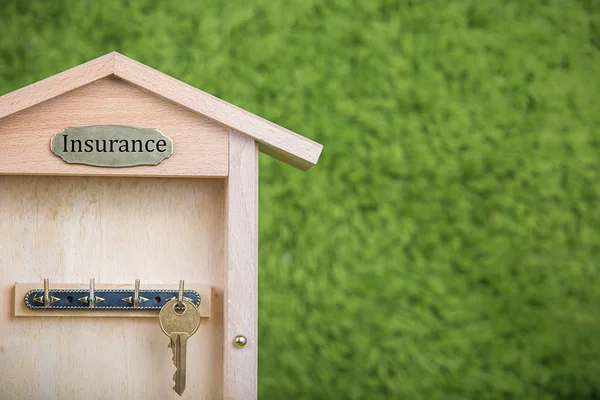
(240, 365)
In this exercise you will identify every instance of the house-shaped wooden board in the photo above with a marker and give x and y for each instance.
(69, 222)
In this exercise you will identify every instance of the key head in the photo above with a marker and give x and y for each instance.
(179, 318)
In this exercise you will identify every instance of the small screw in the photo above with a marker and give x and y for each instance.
(240, 341)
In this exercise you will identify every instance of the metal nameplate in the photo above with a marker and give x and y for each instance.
(111, 146)
(106, 299)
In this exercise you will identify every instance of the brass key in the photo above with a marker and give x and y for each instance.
(179, 320)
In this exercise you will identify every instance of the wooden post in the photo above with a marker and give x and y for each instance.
(240, 366)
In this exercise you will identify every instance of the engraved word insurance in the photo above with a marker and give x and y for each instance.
(111, 146)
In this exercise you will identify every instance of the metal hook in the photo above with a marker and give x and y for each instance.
(92, 299)
(136, 293)
(46, 292)
(46, 299)
(180, 304)
(136, 299)
(180, 295)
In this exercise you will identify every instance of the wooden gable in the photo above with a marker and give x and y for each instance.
(201, 144)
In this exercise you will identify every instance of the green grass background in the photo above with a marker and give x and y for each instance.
(447, 244)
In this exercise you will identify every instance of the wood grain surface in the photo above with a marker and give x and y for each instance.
(69, 229)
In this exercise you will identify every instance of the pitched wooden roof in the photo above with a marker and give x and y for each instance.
(274, 140)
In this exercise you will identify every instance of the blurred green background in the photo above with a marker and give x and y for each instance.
(447, 244)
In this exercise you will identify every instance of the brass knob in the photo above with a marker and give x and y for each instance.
(240, 341)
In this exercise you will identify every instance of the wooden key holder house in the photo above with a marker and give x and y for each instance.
(92, 162)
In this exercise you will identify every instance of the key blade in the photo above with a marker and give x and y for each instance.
(179, 344)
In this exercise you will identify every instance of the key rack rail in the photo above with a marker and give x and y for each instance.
(78, 300)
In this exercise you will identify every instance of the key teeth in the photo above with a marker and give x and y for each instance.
(175, 388)
(179, 392)
(173, 358)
